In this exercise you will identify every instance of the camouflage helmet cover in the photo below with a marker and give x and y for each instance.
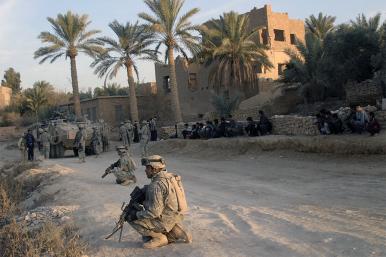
(155, 161)
(121, 148)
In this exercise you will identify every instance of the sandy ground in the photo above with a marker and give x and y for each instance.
(279, 204)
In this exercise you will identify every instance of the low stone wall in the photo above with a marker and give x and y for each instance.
(366, 92)
(294, 125)
(282, 125)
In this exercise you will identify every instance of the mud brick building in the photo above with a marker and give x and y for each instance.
(276, 30)
(5, 97)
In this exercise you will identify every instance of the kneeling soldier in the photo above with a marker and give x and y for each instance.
(123, 169)
(159, 221)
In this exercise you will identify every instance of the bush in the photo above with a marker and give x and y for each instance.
(50, 240)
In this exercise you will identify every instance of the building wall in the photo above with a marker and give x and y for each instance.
(112, 109)
(5, 96)
(270, 22)
(147, 89)
(195, 90)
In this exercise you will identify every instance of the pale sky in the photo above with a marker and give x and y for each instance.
(21, 21)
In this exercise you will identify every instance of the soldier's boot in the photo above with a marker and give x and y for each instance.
(178, 232)
(157, 240)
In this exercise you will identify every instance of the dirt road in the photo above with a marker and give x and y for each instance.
(269, 204)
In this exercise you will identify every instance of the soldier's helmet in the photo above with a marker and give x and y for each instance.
(121, 148)
(144, 122)
(40, 130)
(46, 129)
(155, 161)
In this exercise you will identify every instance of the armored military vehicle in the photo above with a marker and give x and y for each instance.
(63, 137)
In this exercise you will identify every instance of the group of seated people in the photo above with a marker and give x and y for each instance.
(228, 128)
(358, 121)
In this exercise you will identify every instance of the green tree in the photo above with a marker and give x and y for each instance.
(349, 53)
(12, 80)
(379, 62)
(224, 105)
(321, 25)
(305, 67)
(111, 89)
(371, 23)
(69, 37)
(132, 44)
(36, 99)
(176, 32)
(86, 94)
(233, 50)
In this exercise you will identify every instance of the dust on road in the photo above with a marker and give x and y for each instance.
(266, 204)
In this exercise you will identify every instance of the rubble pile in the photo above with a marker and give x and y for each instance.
(39, 216)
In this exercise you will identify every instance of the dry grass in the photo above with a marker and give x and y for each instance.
(15, 238)
(50, 240)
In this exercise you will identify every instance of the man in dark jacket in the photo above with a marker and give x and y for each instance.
(30, 143)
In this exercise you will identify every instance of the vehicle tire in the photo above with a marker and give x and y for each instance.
(75, 151)
(60, 150)
(52, 151)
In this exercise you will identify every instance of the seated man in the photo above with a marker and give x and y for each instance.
(373, 126)
(123, 169)
(251, 128)
(159, 222)
(360, 120)
(186, 132)
(264, 125)
(335, 124)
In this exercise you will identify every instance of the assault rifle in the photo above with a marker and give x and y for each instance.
(130, 210)
(107, 172)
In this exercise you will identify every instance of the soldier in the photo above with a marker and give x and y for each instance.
(136, 132)
(129, 131)
(80, 143)
(145, 137)
(123, 134)
(96, 141)
(23, 147)
(30, 143)
(159, 221)
(45, 140)
(123, 169)
(153, 129)
(105, 136)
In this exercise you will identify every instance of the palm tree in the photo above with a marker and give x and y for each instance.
(133, 44)
(36, 98)
(175, 32)
(305, 67)
(69, 38)
(320, 26)
(233, 49)
(372, 23)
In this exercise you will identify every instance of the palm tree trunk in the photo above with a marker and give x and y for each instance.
(75, 88)
(133, 95)
(173, 86)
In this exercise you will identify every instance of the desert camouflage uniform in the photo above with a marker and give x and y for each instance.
(129, 132)
(123, 169)
(123, 134)
(161, 207)
(96, 140)
(23, 148)
(145, 137)
(81, 144)
(45, 140)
